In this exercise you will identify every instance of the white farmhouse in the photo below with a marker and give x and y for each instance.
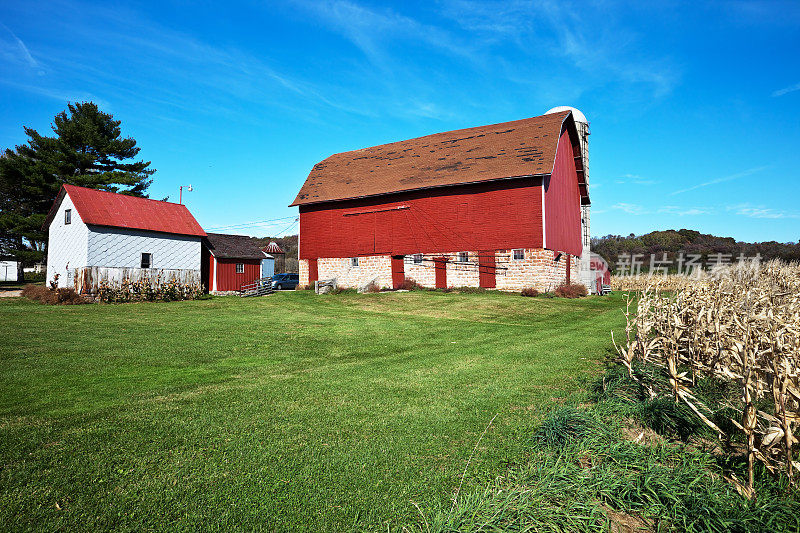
(98, 235)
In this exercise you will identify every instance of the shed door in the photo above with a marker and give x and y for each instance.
(398, 271)
(486, 269)
(441, 272)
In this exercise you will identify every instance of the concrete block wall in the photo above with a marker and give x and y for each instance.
(538, 269)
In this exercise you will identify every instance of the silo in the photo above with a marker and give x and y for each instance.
(582, 125)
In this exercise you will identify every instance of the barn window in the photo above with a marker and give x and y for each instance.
(354, 261)
(67, 216)
(518, 254)
(463, 257)
(240, 268)
(147, 260)
(417, 259)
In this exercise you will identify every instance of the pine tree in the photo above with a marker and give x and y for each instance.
(87, 150)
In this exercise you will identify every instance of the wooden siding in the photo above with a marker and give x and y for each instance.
(562, 202)
(229, 280)
(486, 216)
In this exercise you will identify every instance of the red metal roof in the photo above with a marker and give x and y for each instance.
(511, 149)
(103, 208)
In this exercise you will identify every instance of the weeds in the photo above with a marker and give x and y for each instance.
(583, 475)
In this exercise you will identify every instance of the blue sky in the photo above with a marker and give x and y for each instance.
(694, 107)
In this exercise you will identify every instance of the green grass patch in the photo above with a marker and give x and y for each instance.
(292, 411)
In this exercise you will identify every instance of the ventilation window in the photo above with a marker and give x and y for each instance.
(67, 216)
(417, 259)
(518, 254)
(240, 268)
(354, 261)
(463, 257)
(147, 260)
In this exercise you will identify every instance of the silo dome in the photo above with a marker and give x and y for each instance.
(576, 114)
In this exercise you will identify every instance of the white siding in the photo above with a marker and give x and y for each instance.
(66, 245)
(119, 247)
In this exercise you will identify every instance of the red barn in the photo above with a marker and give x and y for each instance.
(230, 261)
(494, 206)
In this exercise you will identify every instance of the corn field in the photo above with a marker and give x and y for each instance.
(740, 326)
(670, 282)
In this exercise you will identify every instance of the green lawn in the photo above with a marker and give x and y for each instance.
(292, 411)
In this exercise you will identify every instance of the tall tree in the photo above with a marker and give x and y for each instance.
(87, 150)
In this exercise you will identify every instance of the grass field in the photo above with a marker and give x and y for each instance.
(292, 411)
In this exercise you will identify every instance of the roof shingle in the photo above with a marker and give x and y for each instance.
(225, 246)
(519, 148)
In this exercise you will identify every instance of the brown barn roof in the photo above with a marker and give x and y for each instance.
(524, 147)
(225, 246)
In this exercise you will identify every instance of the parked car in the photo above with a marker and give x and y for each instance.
(285, 281)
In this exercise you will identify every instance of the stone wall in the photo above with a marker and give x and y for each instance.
(538, 269)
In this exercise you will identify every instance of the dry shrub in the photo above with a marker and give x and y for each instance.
(63, 296)
(410, 284)
(371, 287)
(529, 291)
(570, 290)
(741, 327)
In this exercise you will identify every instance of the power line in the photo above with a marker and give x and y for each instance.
(276, 221)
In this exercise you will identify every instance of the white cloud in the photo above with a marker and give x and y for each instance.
(685, 211)
(635, 179)
(723, 179)
(631, 209)
(786, 90)
(751, 211)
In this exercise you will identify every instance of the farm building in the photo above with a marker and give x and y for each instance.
(275, 251)
(98, 235)
(231, 261)
(10, 269)
(499, 206)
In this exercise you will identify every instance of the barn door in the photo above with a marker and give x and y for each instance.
(312, 271)
(441, 272)
(398, 271)
(486, 269)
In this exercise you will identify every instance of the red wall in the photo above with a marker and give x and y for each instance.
(562, 199)
(486, 216)
(229, 280)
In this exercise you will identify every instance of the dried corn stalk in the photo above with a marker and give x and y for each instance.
(742, 326)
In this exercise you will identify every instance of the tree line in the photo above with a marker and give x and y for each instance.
(686, 241)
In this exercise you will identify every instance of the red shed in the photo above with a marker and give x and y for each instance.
(230, 261)
(494, 206)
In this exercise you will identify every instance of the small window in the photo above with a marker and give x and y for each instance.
(240, 268)
(67, 216)
(147, 260)
(463, 257)
(518, 254)
(354, 261)
(417, 259)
